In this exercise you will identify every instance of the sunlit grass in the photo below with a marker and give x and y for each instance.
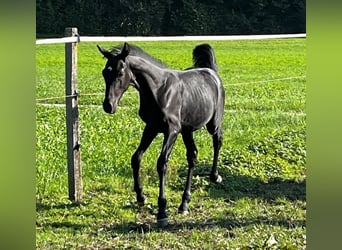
(262, 160)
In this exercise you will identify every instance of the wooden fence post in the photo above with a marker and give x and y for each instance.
(72, 119)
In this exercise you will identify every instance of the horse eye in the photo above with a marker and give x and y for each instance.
(107, 70)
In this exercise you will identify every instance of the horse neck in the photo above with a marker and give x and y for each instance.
(151, 73)
(149, 79)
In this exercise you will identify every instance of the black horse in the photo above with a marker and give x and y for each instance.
(171, 102)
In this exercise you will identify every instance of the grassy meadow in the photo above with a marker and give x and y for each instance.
(261, 203)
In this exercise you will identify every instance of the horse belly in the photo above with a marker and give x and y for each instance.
(151, 116)
(197, 111)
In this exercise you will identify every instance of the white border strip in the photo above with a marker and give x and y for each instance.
(58, 40)
(164, 38)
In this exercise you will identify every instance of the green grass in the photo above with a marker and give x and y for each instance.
(262, 160)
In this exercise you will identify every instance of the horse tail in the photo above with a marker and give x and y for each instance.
(203, 56)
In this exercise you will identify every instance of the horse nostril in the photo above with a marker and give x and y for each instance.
(107, 107)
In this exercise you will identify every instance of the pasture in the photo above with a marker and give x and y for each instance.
(260, 203)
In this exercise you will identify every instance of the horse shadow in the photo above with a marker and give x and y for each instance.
(234, 187)
(228, 222)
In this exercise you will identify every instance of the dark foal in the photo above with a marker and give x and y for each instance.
(171, 102)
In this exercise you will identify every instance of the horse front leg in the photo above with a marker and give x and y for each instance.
(191, 155)
(148, 135)
(169, 140)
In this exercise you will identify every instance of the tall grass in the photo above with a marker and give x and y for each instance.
(262, 160)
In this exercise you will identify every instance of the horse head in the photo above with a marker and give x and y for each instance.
(117, 76)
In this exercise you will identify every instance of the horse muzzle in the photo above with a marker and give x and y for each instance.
(109, 107)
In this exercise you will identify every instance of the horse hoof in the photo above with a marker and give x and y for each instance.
(218, 179)
(185, 212)
(163, 222)
(183, 209)
(141, 201)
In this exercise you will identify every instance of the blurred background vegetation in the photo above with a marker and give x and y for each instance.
(170, 17)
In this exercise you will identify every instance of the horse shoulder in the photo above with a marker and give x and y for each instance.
(169, 100)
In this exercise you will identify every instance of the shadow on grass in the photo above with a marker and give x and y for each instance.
(229, 223)
(41, 206)
(234, 187)
(66, 224)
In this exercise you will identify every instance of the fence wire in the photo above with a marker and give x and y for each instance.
(40, 100)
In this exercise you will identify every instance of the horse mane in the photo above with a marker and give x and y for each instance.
(137, 51)
(203, 56)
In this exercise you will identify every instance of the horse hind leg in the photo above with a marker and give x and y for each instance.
(217, 143)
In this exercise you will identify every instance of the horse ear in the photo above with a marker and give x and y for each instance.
(104, 52)
(125, 50)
